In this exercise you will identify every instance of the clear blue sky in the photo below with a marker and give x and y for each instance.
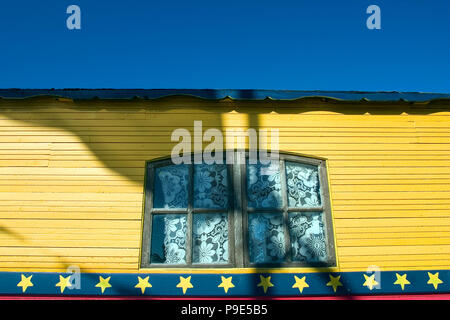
(235, 44)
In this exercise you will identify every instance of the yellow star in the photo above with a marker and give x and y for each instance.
(63, 283)
(370, 281)
(25, 282)
(300, 283)
(334, 282)
(401, 280)
(143, 284)
(185, 283)
(265, 283)
(104, 283)
(226, 283)
(434, 280)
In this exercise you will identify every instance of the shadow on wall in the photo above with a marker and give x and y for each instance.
(122, 134)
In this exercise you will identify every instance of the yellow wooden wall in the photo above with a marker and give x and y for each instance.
(72, 173)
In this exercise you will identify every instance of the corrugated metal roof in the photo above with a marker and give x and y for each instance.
(217, 94)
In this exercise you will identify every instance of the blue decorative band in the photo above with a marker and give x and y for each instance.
(264, 284)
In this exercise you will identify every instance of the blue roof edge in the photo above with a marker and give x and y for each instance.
(217, 94)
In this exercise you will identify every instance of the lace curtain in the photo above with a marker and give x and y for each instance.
(171, 187)
(210, 230)
(302, 185)
(210, 186)
(266, 237)
(210, 238)
(264, 186)
(307, 237)
(169, 238)
(266, 231)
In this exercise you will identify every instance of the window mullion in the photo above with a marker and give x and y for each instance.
(287, 239)
(148, 217)
(306, 210)
(189, 217)
(244, 212)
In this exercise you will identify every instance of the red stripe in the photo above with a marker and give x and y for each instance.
(438, 296)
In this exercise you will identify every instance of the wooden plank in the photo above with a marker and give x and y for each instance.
(337, 159)
(426, 265)
(148, 131)
(397, 182)
(132, 113)
(162, 136)
(112, 162)
(363, 242)
(392, 222)
(72, 171)
(73, 223)
(65, 265)
(393, 195)
(390, 250)
(382, 229)
(29, 238)
(397, 257)
(325, 153)
(392, 207)
(61, 196)
(73, 189)
(62, 252)
(390, 170)
(75, 209)
(24, 163)
(100, 182)
(78, 243)
(396, 204)
(305, 146)
(160, 129)
(64, 269)
(239, 119)
(115, 179)
(285, 138)
(68, 259)
(392, 188)
(390, 163)
(95, 163)
(72, 215)
(52, 231)
(67, 204)
(392, 235)
(23, 146)
(338, 214)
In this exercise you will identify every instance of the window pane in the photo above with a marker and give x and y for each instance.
(171, 187)
(210, 239)
(210, 186)
(303, 185)
(307, 237)
(169, 239)
(266, 237)
(263, 185)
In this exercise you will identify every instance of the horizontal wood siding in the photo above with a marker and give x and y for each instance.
(72, 176)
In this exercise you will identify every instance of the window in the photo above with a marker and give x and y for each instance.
(245, 215)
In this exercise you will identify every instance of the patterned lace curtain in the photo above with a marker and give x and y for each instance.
(210, 230)
(266, 231)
